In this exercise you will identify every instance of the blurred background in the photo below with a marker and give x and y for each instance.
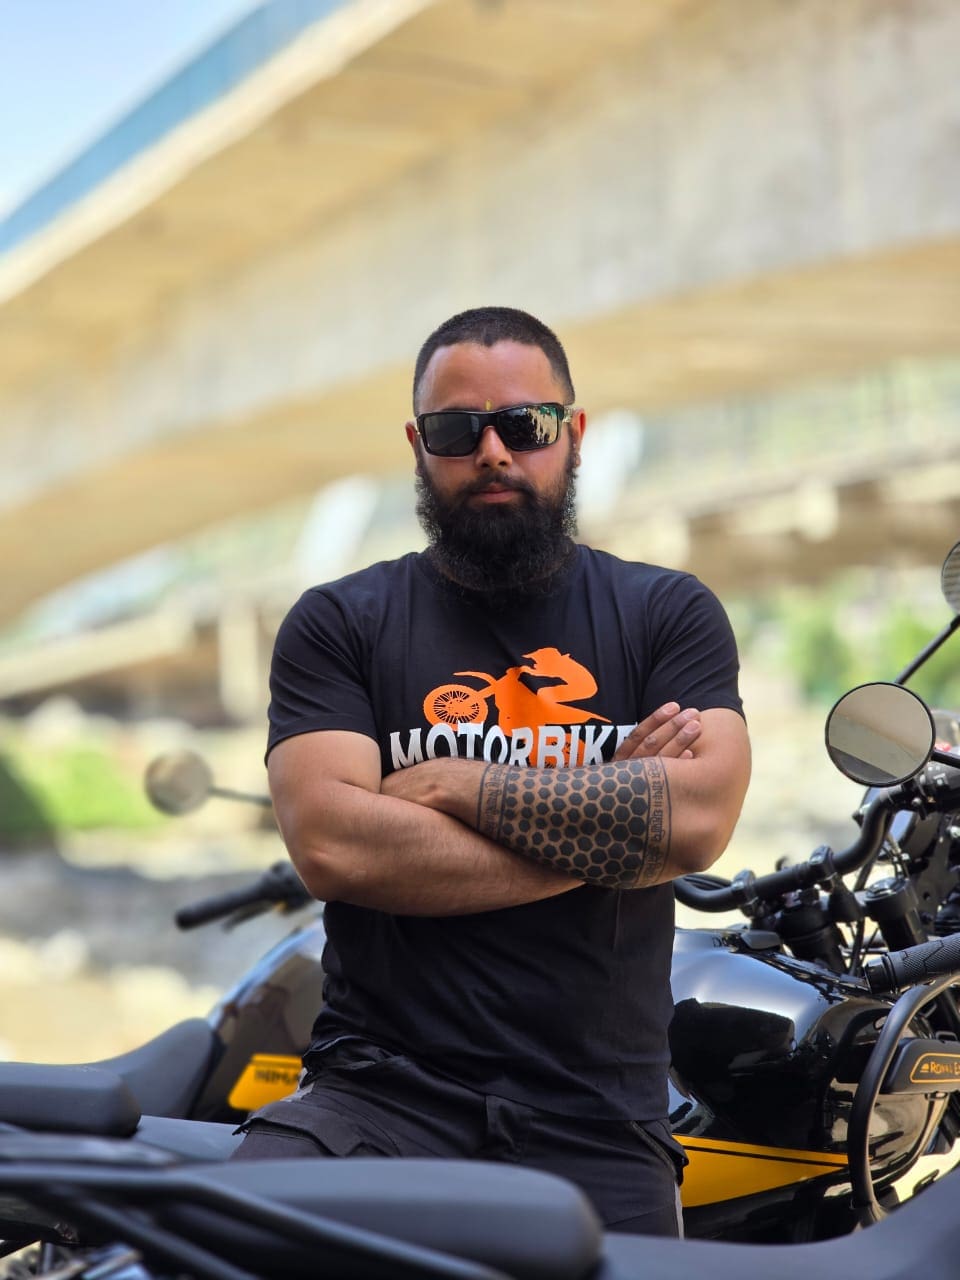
(225, 230)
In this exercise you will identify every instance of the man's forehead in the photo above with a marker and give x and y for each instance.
(505, 373)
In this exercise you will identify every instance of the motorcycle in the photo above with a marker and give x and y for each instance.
(802, 1095)
(804, 1088)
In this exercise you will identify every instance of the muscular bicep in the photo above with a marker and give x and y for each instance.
(316, 781)
(330, 755)
(718, 774)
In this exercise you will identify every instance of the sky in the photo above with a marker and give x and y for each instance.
(70, 68)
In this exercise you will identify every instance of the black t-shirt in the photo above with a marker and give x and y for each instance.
(561, 1004)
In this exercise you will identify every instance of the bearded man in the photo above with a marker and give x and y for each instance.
(479, 762)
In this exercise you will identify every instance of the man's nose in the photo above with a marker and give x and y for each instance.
(491, 451)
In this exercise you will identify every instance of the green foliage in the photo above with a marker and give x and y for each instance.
(902, 636)
(816, 649)
(72, 788)
(22, 812)
(850, 632)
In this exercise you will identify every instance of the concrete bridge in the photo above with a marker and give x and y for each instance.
(217, 307)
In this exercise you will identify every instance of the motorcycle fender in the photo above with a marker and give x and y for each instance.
(267, 1077)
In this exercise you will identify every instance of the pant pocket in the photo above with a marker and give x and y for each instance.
(663, 1146)
(334, 1125)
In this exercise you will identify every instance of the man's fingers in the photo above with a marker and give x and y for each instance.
(680, 744)
(649, 726)
(667, 732)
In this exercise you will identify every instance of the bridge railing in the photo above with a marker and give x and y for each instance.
(209, 76)
(907, 414)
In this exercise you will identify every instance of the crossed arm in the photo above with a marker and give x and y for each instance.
(450, 836)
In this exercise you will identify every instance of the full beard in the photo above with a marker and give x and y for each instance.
(501, 552)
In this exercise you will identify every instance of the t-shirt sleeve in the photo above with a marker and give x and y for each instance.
(316, 673)
(694, 653)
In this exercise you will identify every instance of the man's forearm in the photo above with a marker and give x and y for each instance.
(610, 824)
(626, 823)
(390, 855)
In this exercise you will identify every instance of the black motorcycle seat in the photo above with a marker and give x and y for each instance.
(83, 1099)
(165, 1075)
(920, 1238)
(106, 1098)
(202, 1140)
(531, 1225)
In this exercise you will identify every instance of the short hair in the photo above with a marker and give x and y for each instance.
(487, 326)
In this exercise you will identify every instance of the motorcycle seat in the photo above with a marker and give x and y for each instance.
(68, 1099)
(165, 1075)
(532, 1225)
(106, 1098)
(189, 1139)
(919, 1238)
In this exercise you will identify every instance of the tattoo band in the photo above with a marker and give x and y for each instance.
(607, 824)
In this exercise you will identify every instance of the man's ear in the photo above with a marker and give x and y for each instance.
(414, 437)
(578, 425)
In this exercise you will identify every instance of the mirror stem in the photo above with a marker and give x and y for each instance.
(226, 793)
(929, 651)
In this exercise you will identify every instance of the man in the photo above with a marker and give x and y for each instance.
(479, 761)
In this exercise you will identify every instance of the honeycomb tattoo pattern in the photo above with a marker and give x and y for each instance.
(608, 824)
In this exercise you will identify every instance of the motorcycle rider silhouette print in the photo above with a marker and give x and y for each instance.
(523, 697)
(490, 760)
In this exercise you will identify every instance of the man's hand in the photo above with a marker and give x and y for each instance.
(667, 732)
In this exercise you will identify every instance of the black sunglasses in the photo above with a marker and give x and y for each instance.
(455, 433)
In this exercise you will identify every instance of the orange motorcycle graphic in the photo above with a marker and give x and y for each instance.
(518, 705)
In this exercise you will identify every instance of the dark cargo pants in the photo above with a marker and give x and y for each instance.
(360, 1100)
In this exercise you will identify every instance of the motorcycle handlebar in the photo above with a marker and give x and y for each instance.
(746, 890)
(279, 884)
(913, 965)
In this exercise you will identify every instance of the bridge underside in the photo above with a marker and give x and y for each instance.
(703, 208)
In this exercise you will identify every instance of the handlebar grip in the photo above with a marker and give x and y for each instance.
(748, 890)
(214, 908)
(913, 965)
(704, 892)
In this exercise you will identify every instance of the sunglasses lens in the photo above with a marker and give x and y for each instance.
(530, 427)
(450, 435)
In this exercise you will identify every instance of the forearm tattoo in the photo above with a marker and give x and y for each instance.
(608, 824)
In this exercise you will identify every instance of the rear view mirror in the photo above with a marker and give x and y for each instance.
(178, 781)
(880, 734)
(950, 578)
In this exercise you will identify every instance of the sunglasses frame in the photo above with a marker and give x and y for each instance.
(489, 418)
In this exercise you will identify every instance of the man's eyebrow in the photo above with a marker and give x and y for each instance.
(459, 408)
(474, 408)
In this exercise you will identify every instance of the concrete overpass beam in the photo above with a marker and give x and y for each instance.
(701, 204)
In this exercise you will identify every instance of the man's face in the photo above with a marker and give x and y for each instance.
(497, 520)
(470, 376)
